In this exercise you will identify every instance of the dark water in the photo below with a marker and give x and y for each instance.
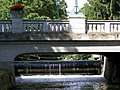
(62, 82)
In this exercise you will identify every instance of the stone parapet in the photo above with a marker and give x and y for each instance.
(59, 36)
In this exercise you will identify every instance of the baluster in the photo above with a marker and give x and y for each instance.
(49, 27)
(4, 25)
(60, 27)
(36, 27)
(115, 28)
(64, 25)
(52, 27)
(67, 27)
(94, 28)
(56, 27)
(112, 28)
(24, 27)
(32, 27)
(28, 28)
(41, 27)
(0, 27)
(9, 26)
(102, 28)
(98, 28)
(107, 27)
(118, 27)
(90, 27)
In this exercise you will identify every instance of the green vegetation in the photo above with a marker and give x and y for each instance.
(76, 57)
(4, 9)
(102, 9)
(34, 9)
(31, 57)
(47, 9)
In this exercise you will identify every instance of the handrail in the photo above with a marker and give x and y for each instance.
(45, 25)
(92, 26)
(107, 26)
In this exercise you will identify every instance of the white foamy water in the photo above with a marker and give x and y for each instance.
(63, 82)
(58, 78)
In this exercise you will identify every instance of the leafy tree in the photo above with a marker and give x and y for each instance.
(4, 11)
(35, 9)
(102, 9)
(76, 57)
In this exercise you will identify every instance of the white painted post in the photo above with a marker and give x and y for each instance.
(77, 23)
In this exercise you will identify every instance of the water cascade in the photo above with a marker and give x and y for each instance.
(80, 67)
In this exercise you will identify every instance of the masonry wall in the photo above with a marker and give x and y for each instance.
(6, 80)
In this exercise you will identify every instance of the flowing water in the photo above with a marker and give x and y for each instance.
(64, 82)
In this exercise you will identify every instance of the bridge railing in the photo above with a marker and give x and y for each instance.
(107, 26)
(5, 26)
(45, 26)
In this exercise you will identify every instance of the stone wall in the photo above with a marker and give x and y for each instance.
(6, 80)
(59, 36)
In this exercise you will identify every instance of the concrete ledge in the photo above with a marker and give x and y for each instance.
(59, 36)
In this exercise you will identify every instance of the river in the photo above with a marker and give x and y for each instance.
(64, 82)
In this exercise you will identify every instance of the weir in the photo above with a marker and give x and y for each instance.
(75, 67)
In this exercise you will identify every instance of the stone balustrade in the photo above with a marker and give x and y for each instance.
(89, 26)
(5, 26)
(104, 26)
(45, 26)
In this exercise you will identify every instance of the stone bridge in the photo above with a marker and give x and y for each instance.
(12, 45)
(96, 37)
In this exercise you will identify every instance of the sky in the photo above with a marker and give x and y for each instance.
(71, 3)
